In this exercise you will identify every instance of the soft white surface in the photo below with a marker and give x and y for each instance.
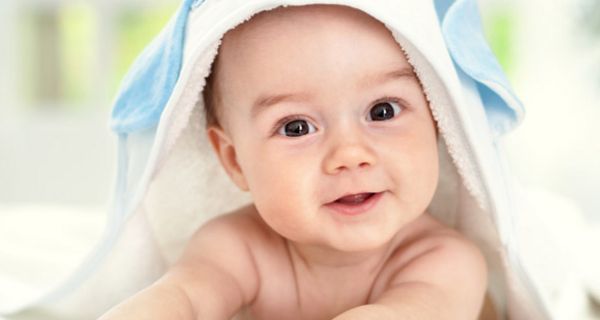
(41, 245)
(567, 242)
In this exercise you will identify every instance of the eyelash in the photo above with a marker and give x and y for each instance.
(291, 118)
(389, 99)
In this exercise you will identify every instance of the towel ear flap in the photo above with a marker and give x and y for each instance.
(150, 81)
(463, 33)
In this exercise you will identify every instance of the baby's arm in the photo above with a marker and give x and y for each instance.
(213, 280)
(447, 281)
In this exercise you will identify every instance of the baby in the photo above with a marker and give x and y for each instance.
(316, 112)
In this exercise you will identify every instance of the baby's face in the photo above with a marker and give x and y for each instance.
(317, 103)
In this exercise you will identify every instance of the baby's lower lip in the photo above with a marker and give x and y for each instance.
(355, 209)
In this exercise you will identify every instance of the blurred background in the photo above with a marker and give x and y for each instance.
(61, 62)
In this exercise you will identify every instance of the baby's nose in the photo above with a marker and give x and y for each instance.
(349, 154)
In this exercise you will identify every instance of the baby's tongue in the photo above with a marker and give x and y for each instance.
(354, 199)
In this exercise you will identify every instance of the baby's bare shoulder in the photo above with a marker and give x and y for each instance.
(433, 249)
(238, 231)
(441, 261)
(243, 225)
(218, 268)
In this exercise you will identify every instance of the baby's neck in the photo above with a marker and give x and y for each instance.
(321, 262)
(331, 281)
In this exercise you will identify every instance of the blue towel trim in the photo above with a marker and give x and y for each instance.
(149, 83)
(464, 37)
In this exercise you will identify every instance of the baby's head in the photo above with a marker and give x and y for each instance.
(307, 105)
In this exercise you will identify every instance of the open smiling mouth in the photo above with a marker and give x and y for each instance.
(355, 204)
(354, 199)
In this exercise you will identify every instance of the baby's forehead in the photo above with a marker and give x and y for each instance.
(277, 21)
(316, 50)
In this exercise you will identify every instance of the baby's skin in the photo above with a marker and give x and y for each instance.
(324, 122)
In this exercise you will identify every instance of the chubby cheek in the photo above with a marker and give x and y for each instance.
(282, 187)
(425, 173)
(414, 170)
(427, 166)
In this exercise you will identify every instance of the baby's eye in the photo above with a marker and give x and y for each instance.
(384, 111)
(296, 128)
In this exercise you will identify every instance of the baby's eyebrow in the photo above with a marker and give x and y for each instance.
(380, 78)
(266, 101)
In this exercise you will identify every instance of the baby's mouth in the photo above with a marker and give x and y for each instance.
(354, 199)
(355, 204)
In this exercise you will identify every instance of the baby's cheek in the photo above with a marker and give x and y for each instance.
(272, 183)
(426, 170)
(283, 184)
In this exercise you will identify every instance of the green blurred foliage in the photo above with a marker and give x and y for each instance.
(28, 49)
(136, 28)
(77, 25)
(60, 46)
(500, 26)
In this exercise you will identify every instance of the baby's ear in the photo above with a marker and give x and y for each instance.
(225, 150)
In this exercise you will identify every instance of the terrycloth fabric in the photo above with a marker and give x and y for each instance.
(169, 182)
